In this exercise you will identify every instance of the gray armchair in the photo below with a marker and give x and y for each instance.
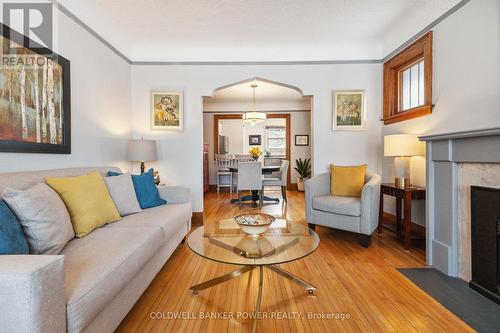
(359, 215)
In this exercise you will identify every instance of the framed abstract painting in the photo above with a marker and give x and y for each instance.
(167, 111)
(348, 110)
(35, 106)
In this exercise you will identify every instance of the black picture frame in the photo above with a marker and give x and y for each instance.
(34, 147)
(254, 140)
(302, 136)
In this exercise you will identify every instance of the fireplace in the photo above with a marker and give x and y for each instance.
(485, 232)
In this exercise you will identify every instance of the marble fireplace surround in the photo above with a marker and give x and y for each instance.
(455, 161)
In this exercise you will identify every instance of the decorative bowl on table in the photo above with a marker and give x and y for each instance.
(254, 223)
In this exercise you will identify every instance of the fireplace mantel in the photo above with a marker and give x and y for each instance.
(446, 152)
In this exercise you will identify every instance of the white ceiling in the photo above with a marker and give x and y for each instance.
(256, 30)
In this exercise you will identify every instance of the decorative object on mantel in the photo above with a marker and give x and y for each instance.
(255, 152)
(141, 151)
(402, 147)
(303, 168)
(348, 110)
(35, 104)
(167, 111)
(302, 140)
(254, 117)
(254, 140)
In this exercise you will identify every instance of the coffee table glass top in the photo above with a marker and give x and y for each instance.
(225, 242)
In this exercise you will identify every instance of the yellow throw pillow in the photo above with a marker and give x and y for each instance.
(347, 181)
(88, 201)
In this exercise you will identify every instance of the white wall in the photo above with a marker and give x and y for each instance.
(100, 106)
(232, 128)
(466, 87)
(181, 152)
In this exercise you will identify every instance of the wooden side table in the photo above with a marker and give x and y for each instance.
(402, 195)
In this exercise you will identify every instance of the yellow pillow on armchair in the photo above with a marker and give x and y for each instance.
(347, 181)
(88, 201)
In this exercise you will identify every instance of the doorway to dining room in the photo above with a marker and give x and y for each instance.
(284, 134)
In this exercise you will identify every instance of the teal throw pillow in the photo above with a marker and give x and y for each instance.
(12, 240)
(145, 189)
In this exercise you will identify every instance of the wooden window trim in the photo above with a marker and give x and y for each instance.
(420, 49)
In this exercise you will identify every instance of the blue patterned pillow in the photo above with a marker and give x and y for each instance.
(12, 240)
(145, 189)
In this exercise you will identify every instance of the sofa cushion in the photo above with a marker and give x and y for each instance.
(12, 240)
(168, 217)
(122, 192)
(338, 205)
(88, 201)
(145, 189)
(99, 265)
(43, 216)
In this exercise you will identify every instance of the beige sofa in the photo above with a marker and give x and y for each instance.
(96, 280)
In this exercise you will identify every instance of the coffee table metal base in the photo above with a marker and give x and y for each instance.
(242, 270)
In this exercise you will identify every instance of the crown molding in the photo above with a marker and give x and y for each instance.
(426, 29)
(91, 31)
(82, 24)
(251, 63)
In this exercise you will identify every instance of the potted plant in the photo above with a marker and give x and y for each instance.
(255, 152)
(303, 168)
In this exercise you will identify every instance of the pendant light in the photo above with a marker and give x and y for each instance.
(254, 117)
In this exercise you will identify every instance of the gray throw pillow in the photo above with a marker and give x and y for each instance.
(122, 192)
(43, 216)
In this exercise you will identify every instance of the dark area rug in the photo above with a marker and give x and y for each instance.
(477, 311)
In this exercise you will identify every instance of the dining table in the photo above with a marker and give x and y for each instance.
(254, 197)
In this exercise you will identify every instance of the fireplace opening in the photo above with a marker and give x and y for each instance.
(485, 232)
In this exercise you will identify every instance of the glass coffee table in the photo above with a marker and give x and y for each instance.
(226, 243)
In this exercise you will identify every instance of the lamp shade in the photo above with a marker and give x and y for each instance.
(141, 150)
(254, 117)
(403, 145)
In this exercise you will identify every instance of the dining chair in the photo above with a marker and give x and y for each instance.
(249, 178)
(280, 179)
(244, 158)
(222, 164)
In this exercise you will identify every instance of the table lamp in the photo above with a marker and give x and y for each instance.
(402, 147)
(141, 151)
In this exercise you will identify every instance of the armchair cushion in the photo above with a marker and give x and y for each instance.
(348, 180)
(338, 205)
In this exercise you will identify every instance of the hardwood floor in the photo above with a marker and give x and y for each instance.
(360, 289)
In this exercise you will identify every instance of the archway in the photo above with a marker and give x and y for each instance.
(279, 109)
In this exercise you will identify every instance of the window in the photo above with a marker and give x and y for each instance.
(408, 82)
(276, 137)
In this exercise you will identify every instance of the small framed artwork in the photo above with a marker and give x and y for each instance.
(167, 111)
(302, 140)
(348, 110)
(254, 140)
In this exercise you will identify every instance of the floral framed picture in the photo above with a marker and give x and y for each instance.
(167, 111)
(348, 110)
